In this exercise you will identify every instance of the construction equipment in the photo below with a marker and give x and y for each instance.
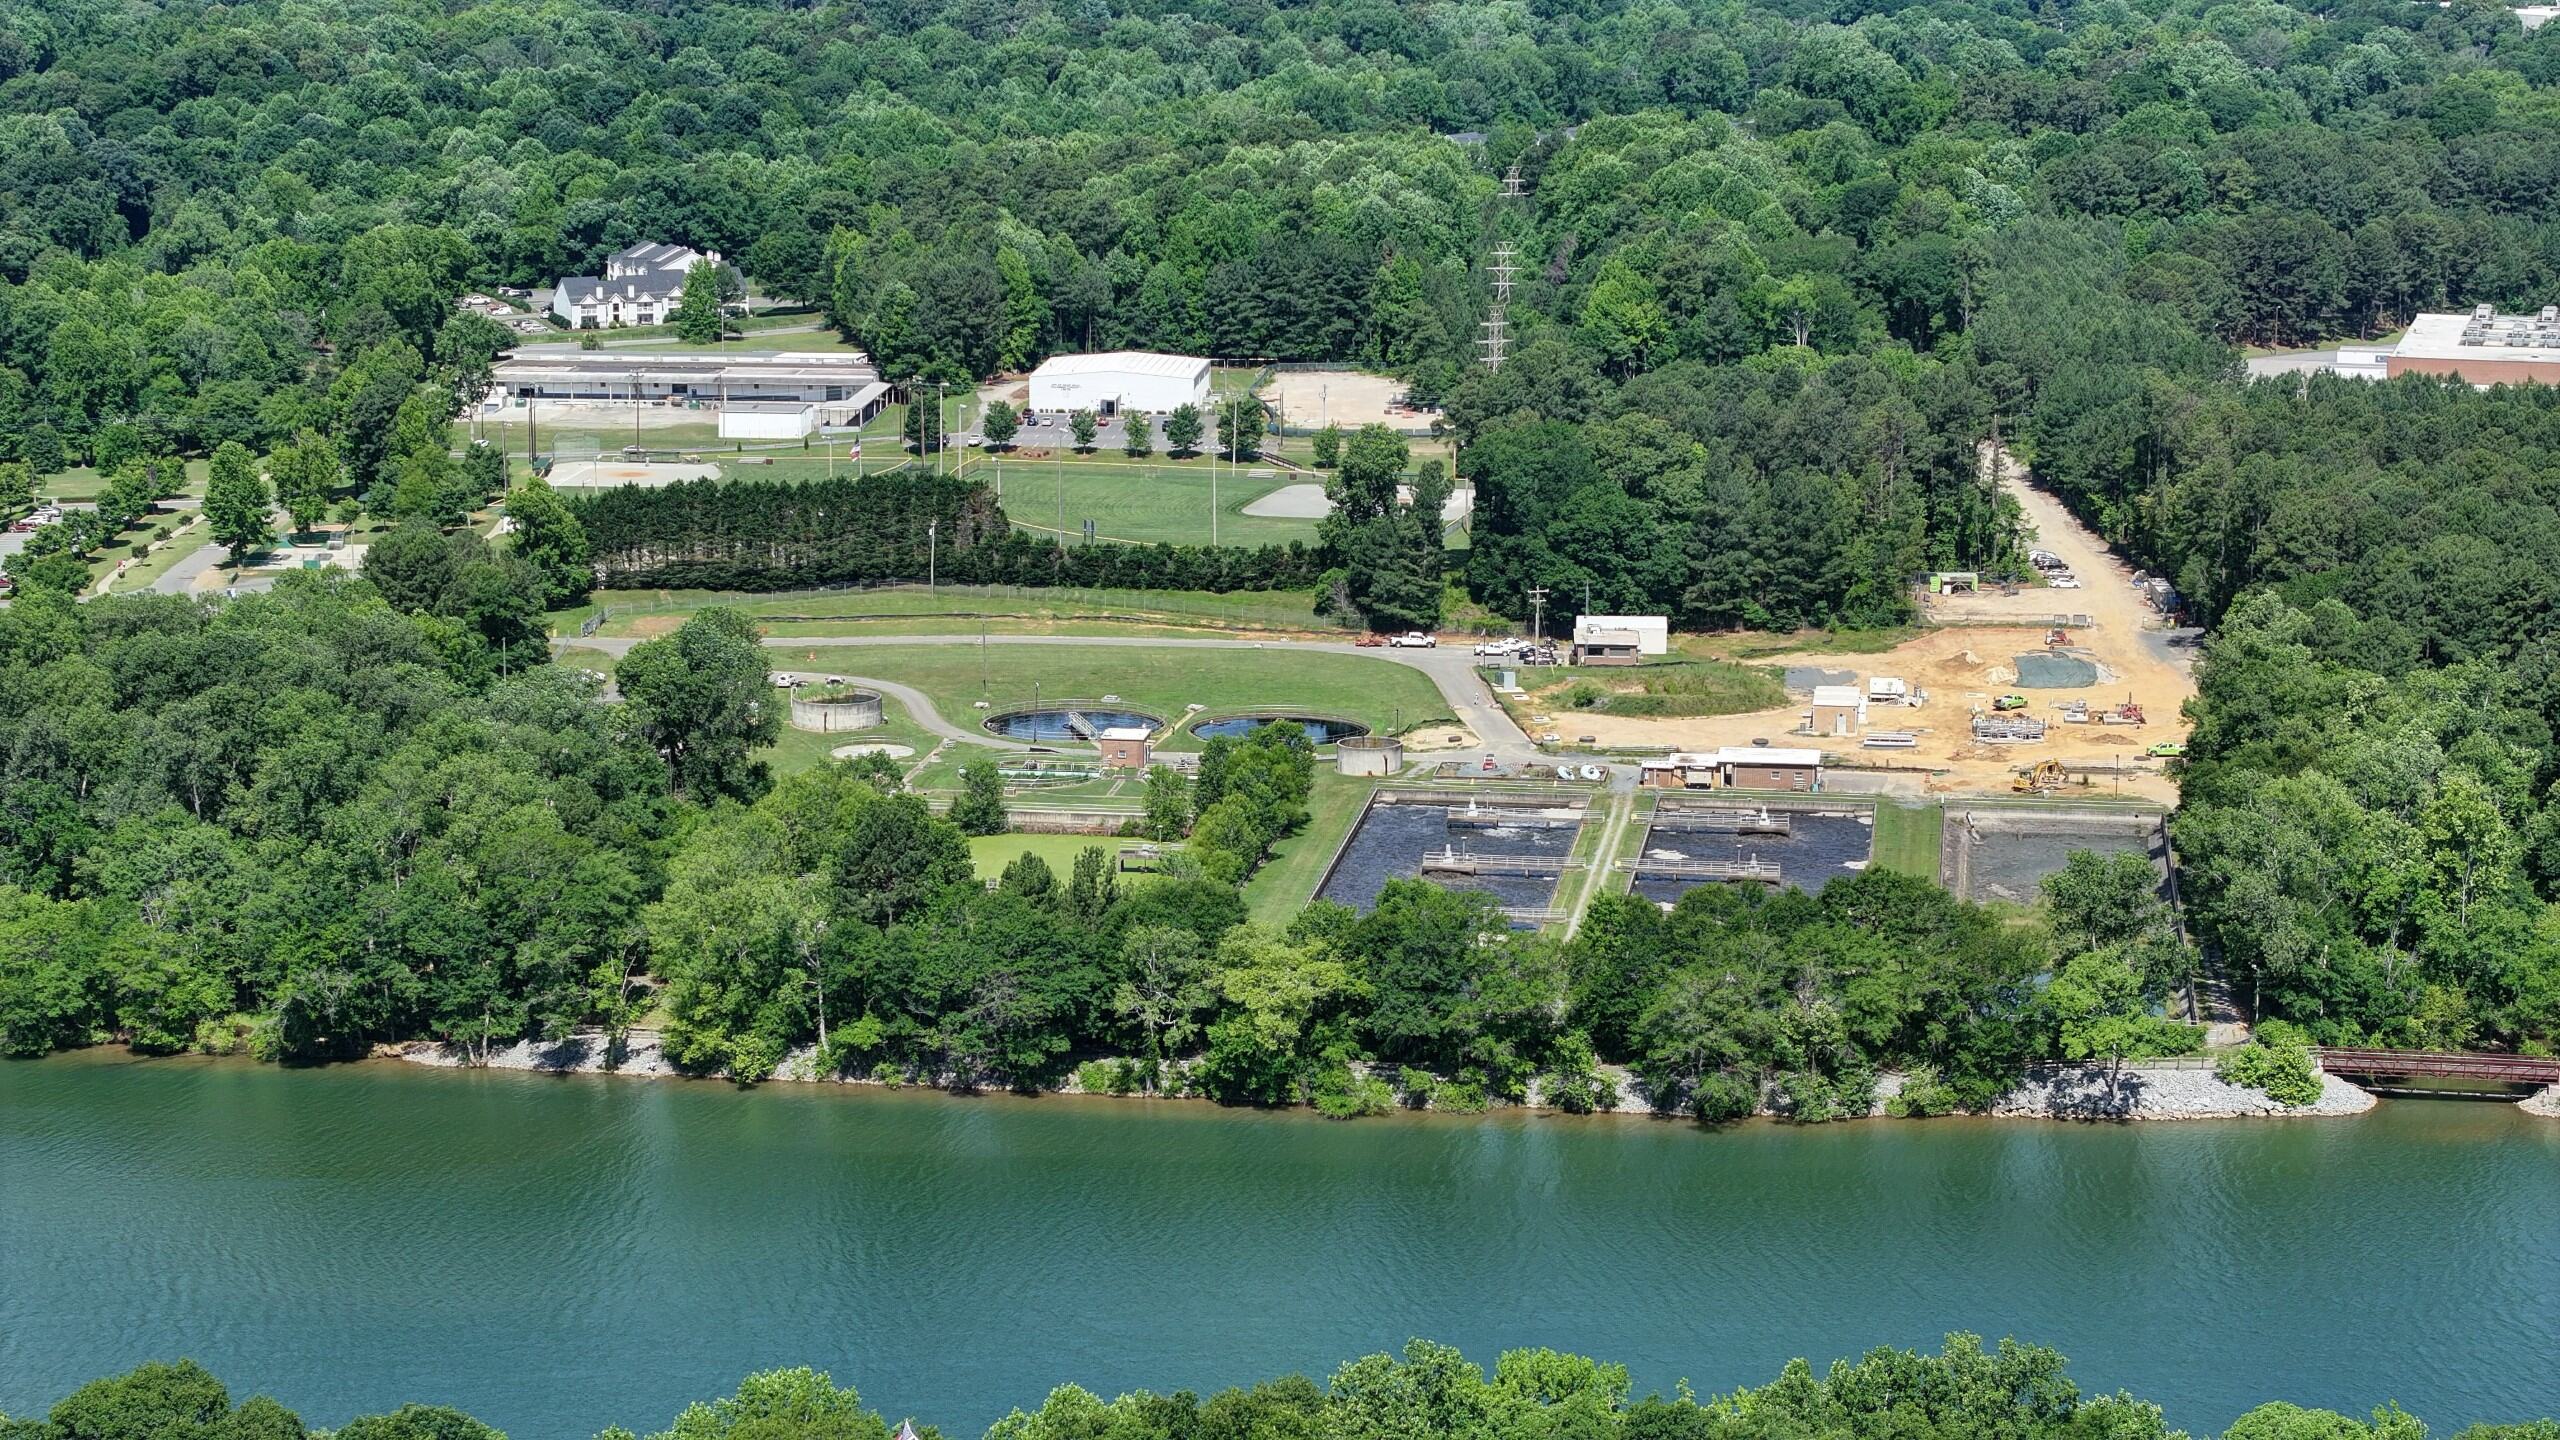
(2127, 713)
(2057, 637)
(2009, 702)
(2007, 729)
(2043, 777)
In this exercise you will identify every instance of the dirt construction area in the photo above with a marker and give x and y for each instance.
(1348, 398)
(594, 474)
(1967, 660)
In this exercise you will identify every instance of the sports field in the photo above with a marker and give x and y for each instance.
(1142, 500)
(1162, 682)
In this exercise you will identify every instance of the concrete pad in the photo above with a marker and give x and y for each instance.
(1292, 502)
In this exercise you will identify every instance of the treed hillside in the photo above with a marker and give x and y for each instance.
(1785, 267)
(1785, 263)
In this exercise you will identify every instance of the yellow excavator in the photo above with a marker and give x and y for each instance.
(2045, 777)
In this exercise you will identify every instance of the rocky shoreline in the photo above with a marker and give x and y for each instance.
(2544, 1102)
(2138, 1092)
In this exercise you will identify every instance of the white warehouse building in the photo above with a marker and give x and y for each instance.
(1120, 380)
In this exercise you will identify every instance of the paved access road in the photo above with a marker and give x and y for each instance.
(1452, 670)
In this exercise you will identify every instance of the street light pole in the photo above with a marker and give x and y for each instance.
(932, 553)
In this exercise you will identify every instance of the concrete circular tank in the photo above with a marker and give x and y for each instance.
(1369, 755)
(1319, 729)
(830, 711)
(1065, 723)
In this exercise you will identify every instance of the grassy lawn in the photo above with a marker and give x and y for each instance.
(1687, 688)
(1906, 838)
(954, 610)
(1288, 880)
(796, 749)
(192, 535)
(1141, 500)
(1377, 693)
(993, 852)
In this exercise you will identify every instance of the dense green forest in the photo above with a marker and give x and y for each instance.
(1784, 268)
(304, 823)
(1784, 264)
(1428, 1392)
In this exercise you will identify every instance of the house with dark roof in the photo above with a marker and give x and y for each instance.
(641, 285)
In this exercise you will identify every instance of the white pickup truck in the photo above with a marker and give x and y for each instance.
(1414, 640)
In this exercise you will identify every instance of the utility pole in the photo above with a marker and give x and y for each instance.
(937, 430)
(933, 554)
(1538, 614)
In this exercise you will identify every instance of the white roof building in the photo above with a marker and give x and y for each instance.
(1653, 632)
(1119, 380)
(1767, 755)
(641, 285)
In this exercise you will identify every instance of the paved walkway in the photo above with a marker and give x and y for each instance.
(1452, 670)
(918, 704)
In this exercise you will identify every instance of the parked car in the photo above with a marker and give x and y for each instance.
(1500, 646)
(2063, 580)
(1415, 640)
(2167, 750)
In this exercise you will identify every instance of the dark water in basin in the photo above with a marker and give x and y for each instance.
(1052, 725)
(1817, 850)
(1319, 730)
(1392, 840)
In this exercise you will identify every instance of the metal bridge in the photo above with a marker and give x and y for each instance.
(2437, 1064)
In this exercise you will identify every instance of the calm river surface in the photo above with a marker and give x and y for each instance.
(555, 1254)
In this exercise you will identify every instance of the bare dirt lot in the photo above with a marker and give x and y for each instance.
(1346, 398)
(587, 474)
(1967, 659)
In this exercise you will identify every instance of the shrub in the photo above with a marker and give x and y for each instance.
(1923, 1094)
(1420, 1087)
(1575, 1084)
(2283, 1070)
(1723, 1098)
(1459, 1097)
(1342, 1093)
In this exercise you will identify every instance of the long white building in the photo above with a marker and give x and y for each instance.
(1119, 380)
(756, 397)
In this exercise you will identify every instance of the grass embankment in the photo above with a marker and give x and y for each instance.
(1380, 694)
(1906, 838)
(1669, 689)
(1287, 881)
(992, 853)
(959, 610)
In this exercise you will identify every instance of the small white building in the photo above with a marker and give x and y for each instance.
(1837, 710)
(1888, 690)
(1653, 632)
(1120, 380)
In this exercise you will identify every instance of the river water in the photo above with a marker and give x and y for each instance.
(554, 1254)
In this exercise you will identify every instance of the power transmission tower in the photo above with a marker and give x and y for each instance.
(1497, 321)
(1496, 341)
